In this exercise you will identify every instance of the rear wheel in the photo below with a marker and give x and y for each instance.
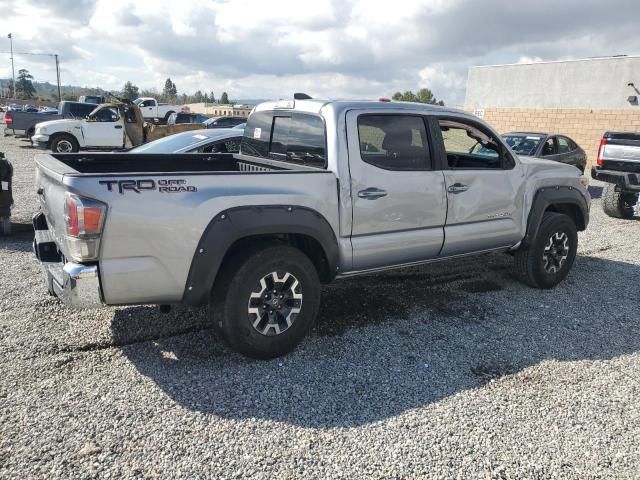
(265, 302)
(617, 203)
(166, 117)
(64, 143)
(547, 261)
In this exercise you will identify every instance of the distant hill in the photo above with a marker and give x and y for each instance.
(49, 91)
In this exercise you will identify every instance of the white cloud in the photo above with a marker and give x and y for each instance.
(336, 48)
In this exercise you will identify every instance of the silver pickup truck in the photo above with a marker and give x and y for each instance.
(320, 190)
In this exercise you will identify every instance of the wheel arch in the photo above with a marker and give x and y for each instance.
(566, 200)
(241, 229)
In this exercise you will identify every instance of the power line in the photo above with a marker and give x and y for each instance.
(12, 53)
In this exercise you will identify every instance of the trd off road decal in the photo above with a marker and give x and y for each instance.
(147, 184)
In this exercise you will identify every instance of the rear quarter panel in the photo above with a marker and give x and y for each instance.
(150, 237)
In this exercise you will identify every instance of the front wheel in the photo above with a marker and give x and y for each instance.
(547, 261)
(617, 203)
(264, 303)
(64, 144)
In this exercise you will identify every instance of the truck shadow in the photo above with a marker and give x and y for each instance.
(389, 343)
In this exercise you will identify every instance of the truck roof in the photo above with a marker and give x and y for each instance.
(315, 105)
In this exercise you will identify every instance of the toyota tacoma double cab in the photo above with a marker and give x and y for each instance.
(320, 190)
(618, 164)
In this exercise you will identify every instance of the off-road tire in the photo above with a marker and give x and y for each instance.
(617, 203)
(60, 139)
(232, 300)
(530, 264)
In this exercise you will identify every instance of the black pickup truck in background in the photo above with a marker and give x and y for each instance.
(618, 164)
(23, 124)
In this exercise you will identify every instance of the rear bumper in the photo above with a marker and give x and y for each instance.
(75, 284)
(624, 180)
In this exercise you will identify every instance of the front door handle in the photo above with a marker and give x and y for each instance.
(118, 126)
(458, 188)
(372, 193)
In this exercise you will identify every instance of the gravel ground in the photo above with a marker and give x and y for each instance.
(449, 371)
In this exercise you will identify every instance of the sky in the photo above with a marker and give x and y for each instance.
(326, 48)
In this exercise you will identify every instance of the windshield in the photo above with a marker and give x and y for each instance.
(137, 101)
(171, 143)
(523, 144)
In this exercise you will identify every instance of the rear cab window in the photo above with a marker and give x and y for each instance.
(394, 142)
(293, 137)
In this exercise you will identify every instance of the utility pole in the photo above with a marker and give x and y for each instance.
(13, 71)
(58, 75)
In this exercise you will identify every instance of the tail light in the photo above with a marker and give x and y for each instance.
(8, 118)
(84, 220)
(603, 142)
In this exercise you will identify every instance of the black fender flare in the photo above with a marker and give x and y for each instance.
(237, 223)
(548, 196)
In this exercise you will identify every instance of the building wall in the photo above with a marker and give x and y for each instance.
(601, 83)
(217, 110)
(585, 126)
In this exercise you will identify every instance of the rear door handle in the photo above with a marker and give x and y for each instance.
(118, 126)
(372, 193)
(458, 188)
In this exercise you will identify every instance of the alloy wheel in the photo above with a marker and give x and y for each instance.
(275, 303)
(555, 252)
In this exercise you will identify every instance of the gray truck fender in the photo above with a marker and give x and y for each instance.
(238, 223)
(557, 198)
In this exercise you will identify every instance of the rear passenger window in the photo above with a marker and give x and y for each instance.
(563, 145)
(286, 136)
(394, 142)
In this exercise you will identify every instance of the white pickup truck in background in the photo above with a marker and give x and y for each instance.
(151, 109)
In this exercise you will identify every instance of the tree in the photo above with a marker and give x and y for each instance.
(24, 85)
(130, 91)
(424, 95)
(166, 91)
(224, 99)
(212, 97)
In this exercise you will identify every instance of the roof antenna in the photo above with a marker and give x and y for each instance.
(301, 96)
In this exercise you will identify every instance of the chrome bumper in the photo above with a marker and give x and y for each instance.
(75, 284)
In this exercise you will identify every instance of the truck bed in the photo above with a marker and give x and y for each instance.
(91, 163)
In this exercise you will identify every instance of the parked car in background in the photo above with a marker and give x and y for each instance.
(30, 108)
(110, 126)
(152, 110)
(240, 126)
(95, 99)
(186, 117)
(224, 122)
(220, 140)
(618, 164)
(24, 123)
(558, 148)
